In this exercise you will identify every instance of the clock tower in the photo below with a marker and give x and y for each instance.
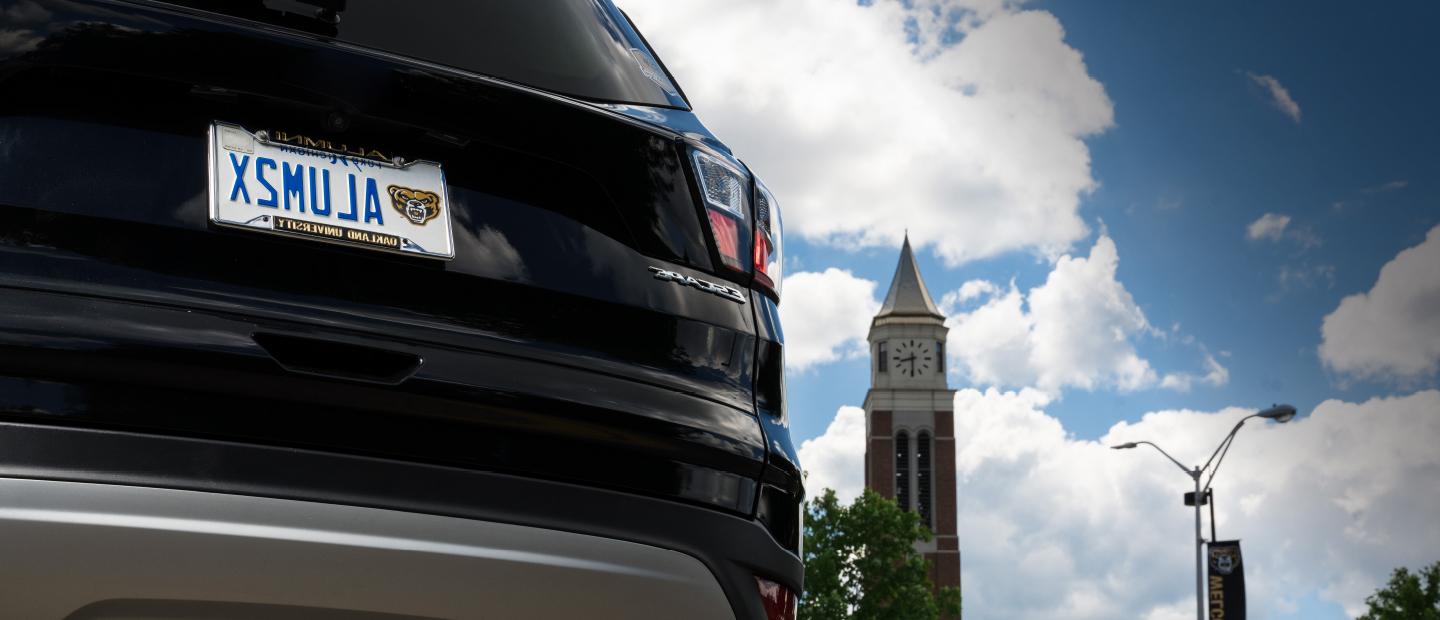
(909, 415)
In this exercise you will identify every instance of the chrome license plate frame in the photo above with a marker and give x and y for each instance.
(285, 189)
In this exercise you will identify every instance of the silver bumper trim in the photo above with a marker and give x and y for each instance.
(70, 545)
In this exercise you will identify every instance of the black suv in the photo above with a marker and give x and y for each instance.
(422, 309)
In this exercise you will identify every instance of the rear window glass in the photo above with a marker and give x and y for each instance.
(581, 48)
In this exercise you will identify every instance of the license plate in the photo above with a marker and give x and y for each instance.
(258, 184)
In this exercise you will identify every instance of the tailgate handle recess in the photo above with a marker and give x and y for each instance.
(338, 360)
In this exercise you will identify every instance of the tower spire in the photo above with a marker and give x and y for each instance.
(908, 295)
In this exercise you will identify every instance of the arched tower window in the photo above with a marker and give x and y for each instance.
(902, 469)
(922, 477)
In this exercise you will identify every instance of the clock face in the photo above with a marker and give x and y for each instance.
(912, 358)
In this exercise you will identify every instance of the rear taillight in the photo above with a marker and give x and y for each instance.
(729, 193)
(780, 602)
(725, 190)
(769, 240)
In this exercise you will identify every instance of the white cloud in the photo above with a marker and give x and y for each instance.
(497, 256)
(1055, 527)
(991, 344)
(1391, 332)
(836, 459)
(826, 316)
(1215, 375)
(1270, 226)
(1389, 186)
(1275, 227)
(15, 41)
(976, 146)
(972, 289)
(975, 288)
(1305, 276)
(1279, 96)
(1075, 330)
(25, 12)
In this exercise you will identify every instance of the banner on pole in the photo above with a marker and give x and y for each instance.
(1227, 581)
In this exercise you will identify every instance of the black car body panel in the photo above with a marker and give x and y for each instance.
(78, 359)
(546, 349)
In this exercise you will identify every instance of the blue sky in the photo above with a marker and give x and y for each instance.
(1203, 209)
(1197, 153)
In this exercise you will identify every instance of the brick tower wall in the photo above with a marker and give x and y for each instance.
(945, 562)
(880, 454)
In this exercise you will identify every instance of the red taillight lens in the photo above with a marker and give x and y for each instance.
(727, 238)
(779, 601)
(763, 250)
(769, 240)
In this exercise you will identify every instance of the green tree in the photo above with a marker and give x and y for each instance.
(1408, 596)
(861, 562)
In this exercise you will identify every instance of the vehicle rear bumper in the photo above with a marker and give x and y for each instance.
(124, 551)
(89, 516)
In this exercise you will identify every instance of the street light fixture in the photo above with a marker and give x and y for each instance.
(1278, 413)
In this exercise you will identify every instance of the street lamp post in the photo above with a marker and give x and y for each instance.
(1278, 413)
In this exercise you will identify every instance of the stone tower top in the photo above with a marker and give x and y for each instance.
(907, 337)
(908, 295)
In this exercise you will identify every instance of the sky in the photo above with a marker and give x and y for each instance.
(1143, 220)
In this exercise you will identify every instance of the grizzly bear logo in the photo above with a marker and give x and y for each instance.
(416, 205)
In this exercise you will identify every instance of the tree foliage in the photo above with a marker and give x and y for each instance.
(861, 562)
(1408, 596)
